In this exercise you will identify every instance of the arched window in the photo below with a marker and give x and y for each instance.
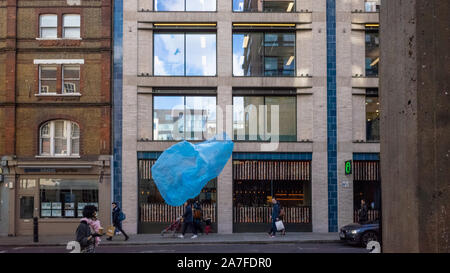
(59, 138)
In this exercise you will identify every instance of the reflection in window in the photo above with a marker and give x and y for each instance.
(372, 6)
(264, 54)
(247, 120)
(71, 79)
(372, 52)
(185, 5)
(66, 197)
(184, 117)
(263, 6)
(185, 54)
(372, 115)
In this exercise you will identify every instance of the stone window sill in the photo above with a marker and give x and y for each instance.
(59, 95)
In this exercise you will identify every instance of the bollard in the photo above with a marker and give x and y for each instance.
(35, 230)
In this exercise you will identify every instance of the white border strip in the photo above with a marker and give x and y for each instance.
(59, 61)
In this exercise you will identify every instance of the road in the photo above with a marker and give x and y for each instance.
(204, 248)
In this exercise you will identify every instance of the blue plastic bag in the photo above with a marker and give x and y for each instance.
(181, 172)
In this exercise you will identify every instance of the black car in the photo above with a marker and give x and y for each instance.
(361, 233)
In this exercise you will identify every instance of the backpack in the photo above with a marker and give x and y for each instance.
(197, 214)
(122, 216)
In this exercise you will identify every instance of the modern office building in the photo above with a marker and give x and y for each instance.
(191, 69)
(55, 113)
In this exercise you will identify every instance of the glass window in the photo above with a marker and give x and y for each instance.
(263, 6)
(26, 207)
(71, 26)
(264, 54)
(185, 54)
(48, 26)
(67, 197)
(372, 6)
(59, 138)
(27, 184)
(372, 116)
(200, 54)
(372, 52)
(184, 117)
(247, 119)
(185, 5)
(47, 79)
(71, 79)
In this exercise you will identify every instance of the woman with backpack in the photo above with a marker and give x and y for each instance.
(85, 234)
(117, 216)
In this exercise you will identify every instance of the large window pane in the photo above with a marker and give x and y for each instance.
(264, 54)
(372, 118)
(372, 52)
(169, 5)
(168, 118)
(200, 117)
(45, 139)
(71, 24)
(200, 54)
(71, 78)
(61, 138)
(287, 125)
(249, 125)
(47, 79)
(201, 5)
(263, 6)
(245, 117)
(248, 54)
(169, 54)
(48, 24)
(67, 197)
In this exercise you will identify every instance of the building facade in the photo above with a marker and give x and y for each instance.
(191, 69)
(55, 113)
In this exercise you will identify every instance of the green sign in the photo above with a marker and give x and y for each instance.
(348, 167)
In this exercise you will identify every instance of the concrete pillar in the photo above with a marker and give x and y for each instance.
(415, 125)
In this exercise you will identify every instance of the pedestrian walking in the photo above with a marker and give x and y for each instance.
(188, 220)
(274, 217)
(117, 216)
(363, 211)
(198, 217)
(85, 234)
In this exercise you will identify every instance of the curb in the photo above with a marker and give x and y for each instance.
(179, 243)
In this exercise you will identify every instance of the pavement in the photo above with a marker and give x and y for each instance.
(157, 239)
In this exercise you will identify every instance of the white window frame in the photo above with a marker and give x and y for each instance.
(68, 129)
(48, 27)
(71, 27)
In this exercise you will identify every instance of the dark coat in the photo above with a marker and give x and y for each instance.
(363, 217)
(275, 211)
(82, 233)
(187, 216)
(115, 216)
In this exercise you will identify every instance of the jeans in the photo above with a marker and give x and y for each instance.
(189, 224)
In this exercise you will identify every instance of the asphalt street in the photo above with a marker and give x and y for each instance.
(204, 248)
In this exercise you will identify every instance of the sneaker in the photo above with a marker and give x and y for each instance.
(272, 236)
(180, 236)
(194, 236)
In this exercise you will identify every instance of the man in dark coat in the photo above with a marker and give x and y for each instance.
(188, 220)
(274, 217)
(363, 212)
(117, 222)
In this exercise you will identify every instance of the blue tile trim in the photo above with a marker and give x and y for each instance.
(331, 117)
(149, 155)
(272, 156)
(117, 99)
(366, 156)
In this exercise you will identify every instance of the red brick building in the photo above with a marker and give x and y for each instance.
(55, 113)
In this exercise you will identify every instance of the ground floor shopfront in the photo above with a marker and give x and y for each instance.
(54, 191)
(255, 179)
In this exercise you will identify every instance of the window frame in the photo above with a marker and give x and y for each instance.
(155, 10)
(184, 33)
(68, 125)
(245, 31)
(63, 32)
(265, 118)
(294, 8)
(47, 27)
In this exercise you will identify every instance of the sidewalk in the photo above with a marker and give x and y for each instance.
(156, 239)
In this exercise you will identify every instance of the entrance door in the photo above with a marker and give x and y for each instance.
(25, 214)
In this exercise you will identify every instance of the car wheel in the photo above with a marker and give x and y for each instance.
(367, 237)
